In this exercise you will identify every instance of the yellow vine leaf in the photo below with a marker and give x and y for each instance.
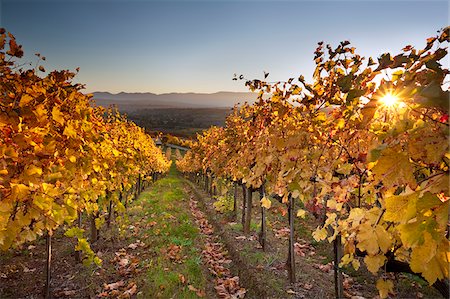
(356, 264)
(43, 202)
(340, 123)
(266, 203)
(25, 99)
(41, 113)
(366, 239)
(301, 213)
(19, 191)
(70, 131)
(332, 204)
(319, 234)
(32, 170)
(356, 215)
(394, 169)
(427, 259)
(115, 152)
(384, 238)
(384, 287)
(400, 208)
(346, 259)
(374, 262)
(57, 115)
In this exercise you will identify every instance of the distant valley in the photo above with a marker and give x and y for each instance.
(129, 102)
(182, 114)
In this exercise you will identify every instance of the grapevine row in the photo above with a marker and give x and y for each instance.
(374, 171)
(61, 156)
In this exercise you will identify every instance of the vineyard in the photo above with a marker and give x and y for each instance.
(337, 188)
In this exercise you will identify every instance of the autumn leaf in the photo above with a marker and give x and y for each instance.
(266, 203)
(301, 213)
(57, 116)
(114, 285)
(374, 262)
(385, 287)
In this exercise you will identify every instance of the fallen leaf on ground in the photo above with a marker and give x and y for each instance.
(282, 232)
(291, 292)
(324, 268)
(114, 285)
(123, 262)
(132, 289)
(133, 246)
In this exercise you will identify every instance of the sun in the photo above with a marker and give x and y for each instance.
(389, 100)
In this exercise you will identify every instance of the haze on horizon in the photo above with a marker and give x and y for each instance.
(197, 46)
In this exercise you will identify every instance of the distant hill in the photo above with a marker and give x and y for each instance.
(130, 102)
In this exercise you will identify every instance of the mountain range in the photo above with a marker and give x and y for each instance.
(129, 102)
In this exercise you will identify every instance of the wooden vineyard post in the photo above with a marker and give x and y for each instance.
(248, 213)
(262, 233)
(48, 269)
(210, 187)
(110, 212)
(140, 184)
(78, 253)
(94, 230)
(291, 253)
(235, 195)
(244, 203)
(338, 280)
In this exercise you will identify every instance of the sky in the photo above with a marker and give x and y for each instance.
(197, 46)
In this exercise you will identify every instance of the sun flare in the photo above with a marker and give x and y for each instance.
(389, 100)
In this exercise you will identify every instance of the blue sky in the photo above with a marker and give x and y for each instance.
(197, 46)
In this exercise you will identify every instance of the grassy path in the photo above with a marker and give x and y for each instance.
(174, 266)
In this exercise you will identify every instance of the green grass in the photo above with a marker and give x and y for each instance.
(255, 227)
(167, 204)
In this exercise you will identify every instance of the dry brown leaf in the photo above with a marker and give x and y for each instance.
(291, 292)
(132, 289)
(133, 246)
(123, 262)
(103, 295)
(240, 293)
(114, 285)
